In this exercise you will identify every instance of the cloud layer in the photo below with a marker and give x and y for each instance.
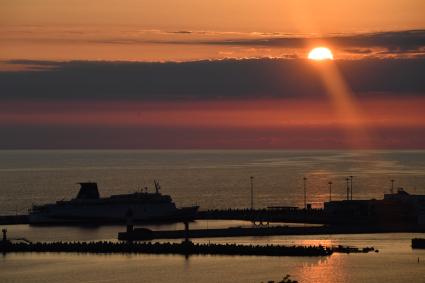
(120, 43)
(205, 80)
(393, 40)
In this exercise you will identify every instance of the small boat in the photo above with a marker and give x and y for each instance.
(89, 207)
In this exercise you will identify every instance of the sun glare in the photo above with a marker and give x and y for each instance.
(320, 53)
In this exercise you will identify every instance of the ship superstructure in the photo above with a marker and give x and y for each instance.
(89, 207)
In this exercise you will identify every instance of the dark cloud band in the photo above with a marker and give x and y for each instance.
(220, 79)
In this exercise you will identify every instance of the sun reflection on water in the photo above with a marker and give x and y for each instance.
(327, 270)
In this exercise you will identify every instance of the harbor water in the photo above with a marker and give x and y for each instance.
(211, 179)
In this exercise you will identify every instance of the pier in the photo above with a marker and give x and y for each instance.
(143, 234)
(271, 214)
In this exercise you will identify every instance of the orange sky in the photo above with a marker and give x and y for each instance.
(237, 15)
(119, 29)
(220, 103)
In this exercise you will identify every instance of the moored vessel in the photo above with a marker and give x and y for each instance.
(90, 207)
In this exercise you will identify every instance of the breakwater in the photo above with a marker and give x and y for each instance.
(184, 248)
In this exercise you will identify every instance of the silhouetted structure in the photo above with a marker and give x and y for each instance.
(396, 209)
(89, 207)
(330, 190)
(88, 190)
(418, 243)
(305, 192)
(4, 231)
(252, 191)
(184, 248)
(129, 220)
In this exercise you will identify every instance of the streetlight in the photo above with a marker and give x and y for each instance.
(252, 192)
(330, 190)
(348, 188)
(351, 187)
(305, 193)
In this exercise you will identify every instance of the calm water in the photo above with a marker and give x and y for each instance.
(212, 179)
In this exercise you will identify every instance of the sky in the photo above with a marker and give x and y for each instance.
(211, 74)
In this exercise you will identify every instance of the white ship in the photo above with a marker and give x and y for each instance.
(89, 207)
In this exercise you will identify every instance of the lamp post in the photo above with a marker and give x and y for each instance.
(348, 188)
(351, 187)
(392, 185)
(252, 192)
(330, 190)
(305, 193)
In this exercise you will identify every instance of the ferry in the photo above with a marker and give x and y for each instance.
(89, 207)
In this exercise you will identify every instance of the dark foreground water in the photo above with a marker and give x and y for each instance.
(395, 262)
(211, 179)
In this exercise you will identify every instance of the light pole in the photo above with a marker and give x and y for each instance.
(252, 192)
(351, 187)
(305, 193)
(330, 190)
(348, 188)
(392, 185)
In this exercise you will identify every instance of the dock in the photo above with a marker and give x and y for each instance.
(313, 216)
(270, 214)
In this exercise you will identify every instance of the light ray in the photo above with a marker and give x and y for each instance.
(346, 107)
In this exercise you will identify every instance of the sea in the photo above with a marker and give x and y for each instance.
(212, 179)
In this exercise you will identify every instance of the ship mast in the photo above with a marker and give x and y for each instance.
(157, 186)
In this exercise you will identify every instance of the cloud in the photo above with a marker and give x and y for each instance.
(388, 40)
(204, 80)
(359, 50)
(394, 40)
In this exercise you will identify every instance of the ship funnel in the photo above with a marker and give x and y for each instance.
(88, 191)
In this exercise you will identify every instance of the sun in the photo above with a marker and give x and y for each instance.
(320, 53)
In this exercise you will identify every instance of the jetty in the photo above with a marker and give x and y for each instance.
(144, 234)
(287, 214)
(183, 248)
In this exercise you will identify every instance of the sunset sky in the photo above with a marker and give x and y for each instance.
(211, 74)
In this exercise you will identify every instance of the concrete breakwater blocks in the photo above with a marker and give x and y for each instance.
(184, 248)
